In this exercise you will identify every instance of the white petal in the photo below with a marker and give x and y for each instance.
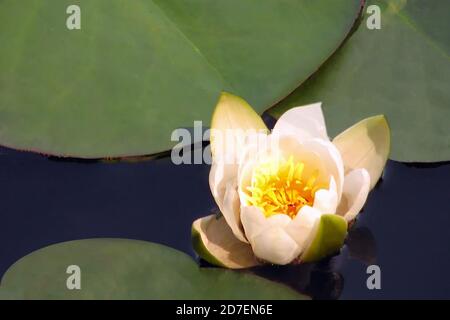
(331, 158)
(275, 245)
(300, 229)
(279, 220)
(326, 200)
(253, 221)
(231, 210)
(267, 237)
(253, 145)
(356, 189)
(224, 168)
(219, 176)
(304, 122)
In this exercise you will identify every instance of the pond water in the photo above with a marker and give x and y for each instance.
(404, 227)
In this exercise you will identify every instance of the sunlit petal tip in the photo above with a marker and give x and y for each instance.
(366, 145)
(232, 115)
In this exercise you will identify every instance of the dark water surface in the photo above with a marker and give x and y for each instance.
(404, 228)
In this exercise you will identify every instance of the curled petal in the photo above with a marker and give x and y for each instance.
(332, 160)
(231, 211)
(219, 176)
(356, 189)
(326, 200)
(214, 241)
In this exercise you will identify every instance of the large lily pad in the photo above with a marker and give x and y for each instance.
(138, 69)
(127, 269)
(401, 70)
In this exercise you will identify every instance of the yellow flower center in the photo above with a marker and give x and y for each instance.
(280, 187)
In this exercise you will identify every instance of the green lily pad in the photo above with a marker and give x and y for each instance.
(128, 269)
(401, 71)
(328, 239)
(138, 69)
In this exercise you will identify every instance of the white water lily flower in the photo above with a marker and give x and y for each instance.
(288, 195)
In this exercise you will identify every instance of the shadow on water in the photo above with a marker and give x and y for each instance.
(403, 227)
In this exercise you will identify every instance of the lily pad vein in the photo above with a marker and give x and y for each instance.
(194, 47)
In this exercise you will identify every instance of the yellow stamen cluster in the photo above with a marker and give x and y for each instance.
(279, 186)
